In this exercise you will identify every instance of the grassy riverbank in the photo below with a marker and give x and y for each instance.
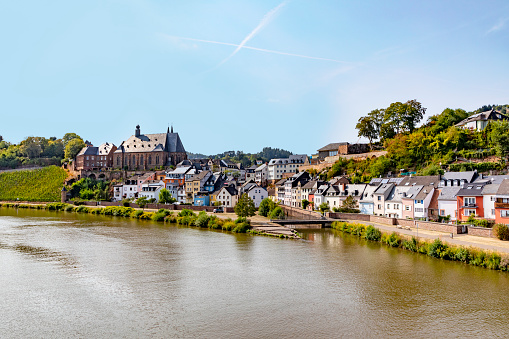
(435, 249)
(185, 217)
(42, 184)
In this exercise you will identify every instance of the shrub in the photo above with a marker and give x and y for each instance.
(159, 216)
(266, 207)
(241, 227)
(56, 206)
(477, 257)
(186, 212)
(228, 226)
(410, 245)
(136, 214)
(96, 210)
(492, 261)
(501, 231)
(202, 220)
(373, 233)
(277, 213)
(171, 219)
(69, 208)
(82, 209)
(436, 249)
(393, 240)
(462, 254)
(481, 223)
(165, 211)
(146, 216)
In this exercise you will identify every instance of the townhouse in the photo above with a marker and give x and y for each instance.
(277, 167)
(150, 189)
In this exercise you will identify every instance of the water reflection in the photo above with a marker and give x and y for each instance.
(125, 278)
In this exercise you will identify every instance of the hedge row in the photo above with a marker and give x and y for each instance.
(436, 249)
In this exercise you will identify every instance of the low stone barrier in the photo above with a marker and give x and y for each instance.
(349, 216)
(382, 220)
(481, 232)
(439, 227)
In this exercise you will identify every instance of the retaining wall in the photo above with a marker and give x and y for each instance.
(481, 231)
(349, 216)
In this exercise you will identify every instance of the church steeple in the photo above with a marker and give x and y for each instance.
(168, 131)
(171, 128)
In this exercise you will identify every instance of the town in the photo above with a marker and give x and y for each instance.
(150, 163)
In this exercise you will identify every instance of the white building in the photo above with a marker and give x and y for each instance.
(255, 192)
(277, 167)
(448, 202)
(151, 189)
(227, 196)
(261, 173)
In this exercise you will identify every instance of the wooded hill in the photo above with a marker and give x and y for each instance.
(427, 149)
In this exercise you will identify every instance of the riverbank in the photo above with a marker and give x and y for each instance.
(256, 225)
(436, 249)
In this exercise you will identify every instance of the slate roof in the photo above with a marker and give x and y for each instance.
(168, 142)
(468, 176)
(367, 195)
(494, 179)
(199, 176)
(424, 193)
(428, 180)
(470, 190)
(103, 149)
(483, 116)
(503, 189)
(382, 189)
(412, 192)
(490, 189)
(332, 146)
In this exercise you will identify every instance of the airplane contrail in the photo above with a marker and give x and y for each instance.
(265, 20)
(257, 49)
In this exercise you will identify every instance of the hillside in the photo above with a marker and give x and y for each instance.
(37, 185)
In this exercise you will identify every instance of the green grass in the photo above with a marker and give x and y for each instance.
(38, 185)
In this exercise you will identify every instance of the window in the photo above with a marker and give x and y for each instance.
(504, 213)
(493, 212)
(379, 207)
(492, 198)
(379, 198)
(388, 206)
(396, 206)
(469, 201)
(469, 212)
(407, 208)
(442, 212)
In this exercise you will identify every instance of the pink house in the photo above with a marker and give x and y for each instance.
(408, 202)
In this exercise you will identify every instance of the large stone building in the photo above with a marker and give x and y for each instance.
(341, 148)
(148, 151)
(95, 158)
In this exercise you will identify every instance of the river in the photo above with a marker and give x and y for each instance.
(70, 275)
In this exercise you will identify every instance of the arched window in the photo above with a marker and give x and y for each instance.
(150, 159)
(141, 160)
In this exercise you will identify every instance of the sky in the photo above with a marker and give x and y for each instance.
(242, 75)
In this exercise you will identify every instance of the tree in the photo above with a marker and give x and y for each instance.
(142, 202)
(73, 147)
(323, 207)
(305, 203)
(245, 206)
(350, 202)
(165, 197)
(266, 206)
(277, 213)
(366, 128)
(70, 136)
(499, 137)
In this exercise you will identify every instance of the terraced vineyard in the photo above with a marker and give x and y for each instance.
(36, 185)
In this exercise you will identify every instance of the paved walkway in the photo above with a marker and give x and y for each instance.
(458, 239)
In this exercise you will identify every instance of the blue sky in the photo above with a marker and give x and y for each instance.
(242, 75)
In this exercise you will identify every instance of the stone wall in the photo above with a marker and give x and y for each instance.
(349, 216)
(382, 220)
(438, 227)
(300, 213)
(481, 232)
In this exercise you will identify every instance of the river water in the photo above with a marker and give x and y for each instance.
(66, 275)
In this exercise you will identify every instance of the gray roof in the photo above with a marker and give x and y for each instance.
(468, 176)
(428, 180)
(483, 116)
(103, 149)
(471, 190)
(367, 195)
(490, 189)
(448, 193)
(168, 142)
(494, 179)
(378, 181)
(503, 189)
(424, 193)
(384, 188)
(199, 176)
(412, 192)
(397, 193)
(332, 147)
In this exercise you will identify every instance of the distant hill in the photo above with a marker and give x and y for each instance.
(247, 159)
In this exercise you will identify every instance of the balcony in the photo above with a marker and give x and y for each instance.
(501, 205)
(469, 206)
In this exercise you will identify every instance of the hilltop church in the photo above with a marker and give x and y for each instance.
(149, 151)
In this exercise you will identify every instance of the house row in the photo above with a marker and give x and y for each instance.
(453, 195)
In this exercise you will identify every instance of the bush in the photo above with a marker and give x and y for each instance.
(277, 213)
(82, 209)
(492, 261)
(393, 240)
(501, 231)
(186, 212)
(462, 254)
(373, 233)
(202, 220)
(241, 228)
(477, 257)
(410, 245)
(56, 206)
(146, 216)
(159, 216)
(136, 214)
(69, 208)
(171, 219)
(436, 249)
(228, 226)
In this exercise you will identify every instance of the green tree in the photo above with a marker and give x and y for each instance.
(305, 203)
(277, 213)
(323, 207)
(367, 128)
(142, 202)
(70, 136)
(266, 206)
(499, 137)
(165, 197)
(350, 202)
(73, 147)
(245, 206)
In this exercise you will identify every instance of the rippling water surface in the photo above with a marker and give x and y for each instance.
(68, 275)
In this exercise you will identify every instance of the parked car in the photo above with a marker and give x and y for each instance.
(218, 210)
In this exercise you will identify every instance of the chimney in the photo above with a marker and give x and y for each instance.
(137, 132)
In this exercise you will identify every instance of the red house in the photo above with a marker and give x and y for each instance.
(502, 203)
(470, 201)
